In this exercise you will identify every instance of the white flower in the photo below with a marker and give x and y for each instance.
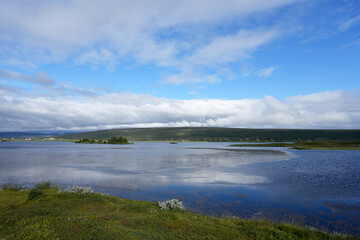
(171, 204)
(78, 189)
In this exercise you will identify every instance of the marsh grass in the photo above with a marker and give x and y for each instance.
(54, 215)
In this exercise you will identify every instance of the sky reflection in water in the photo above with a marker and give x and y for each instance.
(316, 188)
(140, 166)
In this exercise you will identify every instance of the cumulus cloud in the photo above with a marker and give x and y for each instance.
(110, 32)
(337, 109)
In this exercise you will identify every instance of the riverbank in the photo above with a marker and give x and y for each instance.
(53, 215)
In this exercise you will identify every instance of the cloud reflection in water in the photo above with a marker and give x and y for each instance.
(145, 165)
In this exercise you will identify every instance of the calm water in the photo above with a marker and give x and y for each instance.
(310, 188)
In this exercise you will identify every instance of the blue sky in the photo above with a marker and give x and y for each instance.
(87, 65)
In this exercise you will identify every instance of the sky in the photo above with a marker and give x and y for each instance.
(80, 65)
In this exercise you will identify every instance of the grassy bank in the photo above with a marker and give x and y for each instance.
(308, 145)
(51, 215)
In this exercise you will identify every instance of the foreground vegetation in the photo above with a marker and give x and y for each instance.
(112, 140)
(308, 145)
(220, 134)
(44, 213)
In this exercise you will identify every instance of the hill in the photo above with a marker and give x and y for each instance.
(220, 134)
(23, 135)
(308, 145)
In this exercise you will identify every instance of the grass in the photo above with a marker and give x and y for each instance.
(309, 145)
(12, 187)
(43, 185)
(53, 215)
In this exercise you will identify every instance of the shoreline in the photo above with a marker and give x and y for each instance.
(99, 216)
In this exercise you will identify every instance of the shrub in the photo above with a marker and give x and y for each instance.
(43, 185)
(171, 204)
(34, 193)
(78, 189)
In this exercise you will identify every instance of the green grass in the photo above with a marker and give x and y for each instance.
(309, 145)
(43, 185)
(53, 215)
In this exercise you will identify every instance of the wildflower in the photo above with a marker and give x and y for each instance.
(171, 204)
(78, 189)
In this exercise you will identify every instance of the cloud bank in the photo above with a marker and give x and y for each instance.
(337, 109)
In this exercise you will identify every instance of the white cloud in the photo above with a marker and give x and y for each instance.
(349, 23)
(5, 89)
(219, 51)
(231, 47)
(266, 72)
(191, 78)
(45, 85)
(38, 78)
(337, 109)
(111, 32)
(98, 57)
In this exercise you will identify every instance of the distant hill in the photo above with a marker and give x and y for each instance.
(219, 134)
(23, 135)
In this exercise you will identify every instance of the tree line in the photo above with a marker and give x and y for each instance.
(112, 140)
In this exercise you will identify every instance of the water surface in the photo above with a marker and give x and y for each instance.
(311, 188)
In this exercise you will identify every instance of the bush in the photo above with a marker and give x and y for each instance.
(43, 185)
(171, 204)
(34, 193)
